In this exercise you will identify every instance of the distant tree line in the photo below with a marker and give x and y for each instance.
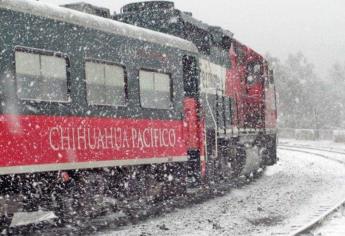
(305, 100)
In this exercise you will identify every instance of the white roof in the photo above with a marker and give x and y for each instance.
(96, 22)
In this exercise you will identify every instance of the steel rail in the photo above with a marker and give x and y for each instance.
(315, 223)
(332, 150)
(298, 149)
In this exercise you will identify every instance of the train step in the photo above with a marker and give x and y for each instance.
(29, 218)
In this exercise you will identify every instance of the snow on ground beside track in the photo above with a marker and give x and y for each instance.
(273, 170)
(282, 198)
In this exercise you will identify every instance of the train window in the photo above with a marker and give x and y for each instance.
(250, 79)
(41, 77)
(254, 73)
(105, 84)
(155, 90)
(257, 69)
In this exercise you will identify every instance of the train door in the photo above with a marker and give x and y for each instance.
(192, 116)
(222, 163)
(223, 113)
(191, 102)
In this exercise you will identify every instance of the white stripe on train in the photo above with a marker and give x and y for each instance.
(89, 165)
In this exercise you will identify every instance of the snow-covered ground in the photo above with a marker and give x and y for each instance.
(286, 197)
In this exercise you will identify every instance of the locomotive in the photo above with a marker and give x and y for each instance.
(236, 100)
(149, 100)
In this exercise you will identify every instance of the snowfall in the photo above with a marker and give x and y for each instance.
(288, 196)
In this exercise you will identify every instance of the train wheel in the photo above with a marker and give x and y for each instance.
(92, 189)
(173, 179)
(238, 160)
(5, 222)
(177, 179)
(211, 169)
(80, 196)
(271, 151)
(67, 198)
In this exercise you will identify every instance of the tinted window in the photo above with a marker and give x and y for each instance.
(105, 84)
(155, 90)
(41, 77)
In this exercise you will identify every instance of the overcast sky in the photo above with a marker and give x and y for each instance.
(314, 27)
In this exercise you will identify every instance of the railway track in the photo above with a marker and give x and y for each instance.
(324, 211)
(323, 149)
(316, 152)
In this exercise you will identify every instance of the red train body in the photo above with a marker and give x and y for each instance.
(44, 143)
(249, 83)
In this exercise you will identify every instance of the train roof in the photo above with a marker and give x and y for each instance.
(164, 17)
(250, 53)
(96, 22)
(164, 7)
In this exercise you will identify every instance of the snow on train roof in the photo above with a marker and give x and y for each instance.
(96, 22)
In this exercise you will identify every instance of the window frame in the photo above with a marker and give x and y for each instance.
(171, 89)
(44, 52)
(110, 63)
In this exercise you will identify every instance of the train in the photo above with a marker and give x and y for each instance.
(150, 101)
